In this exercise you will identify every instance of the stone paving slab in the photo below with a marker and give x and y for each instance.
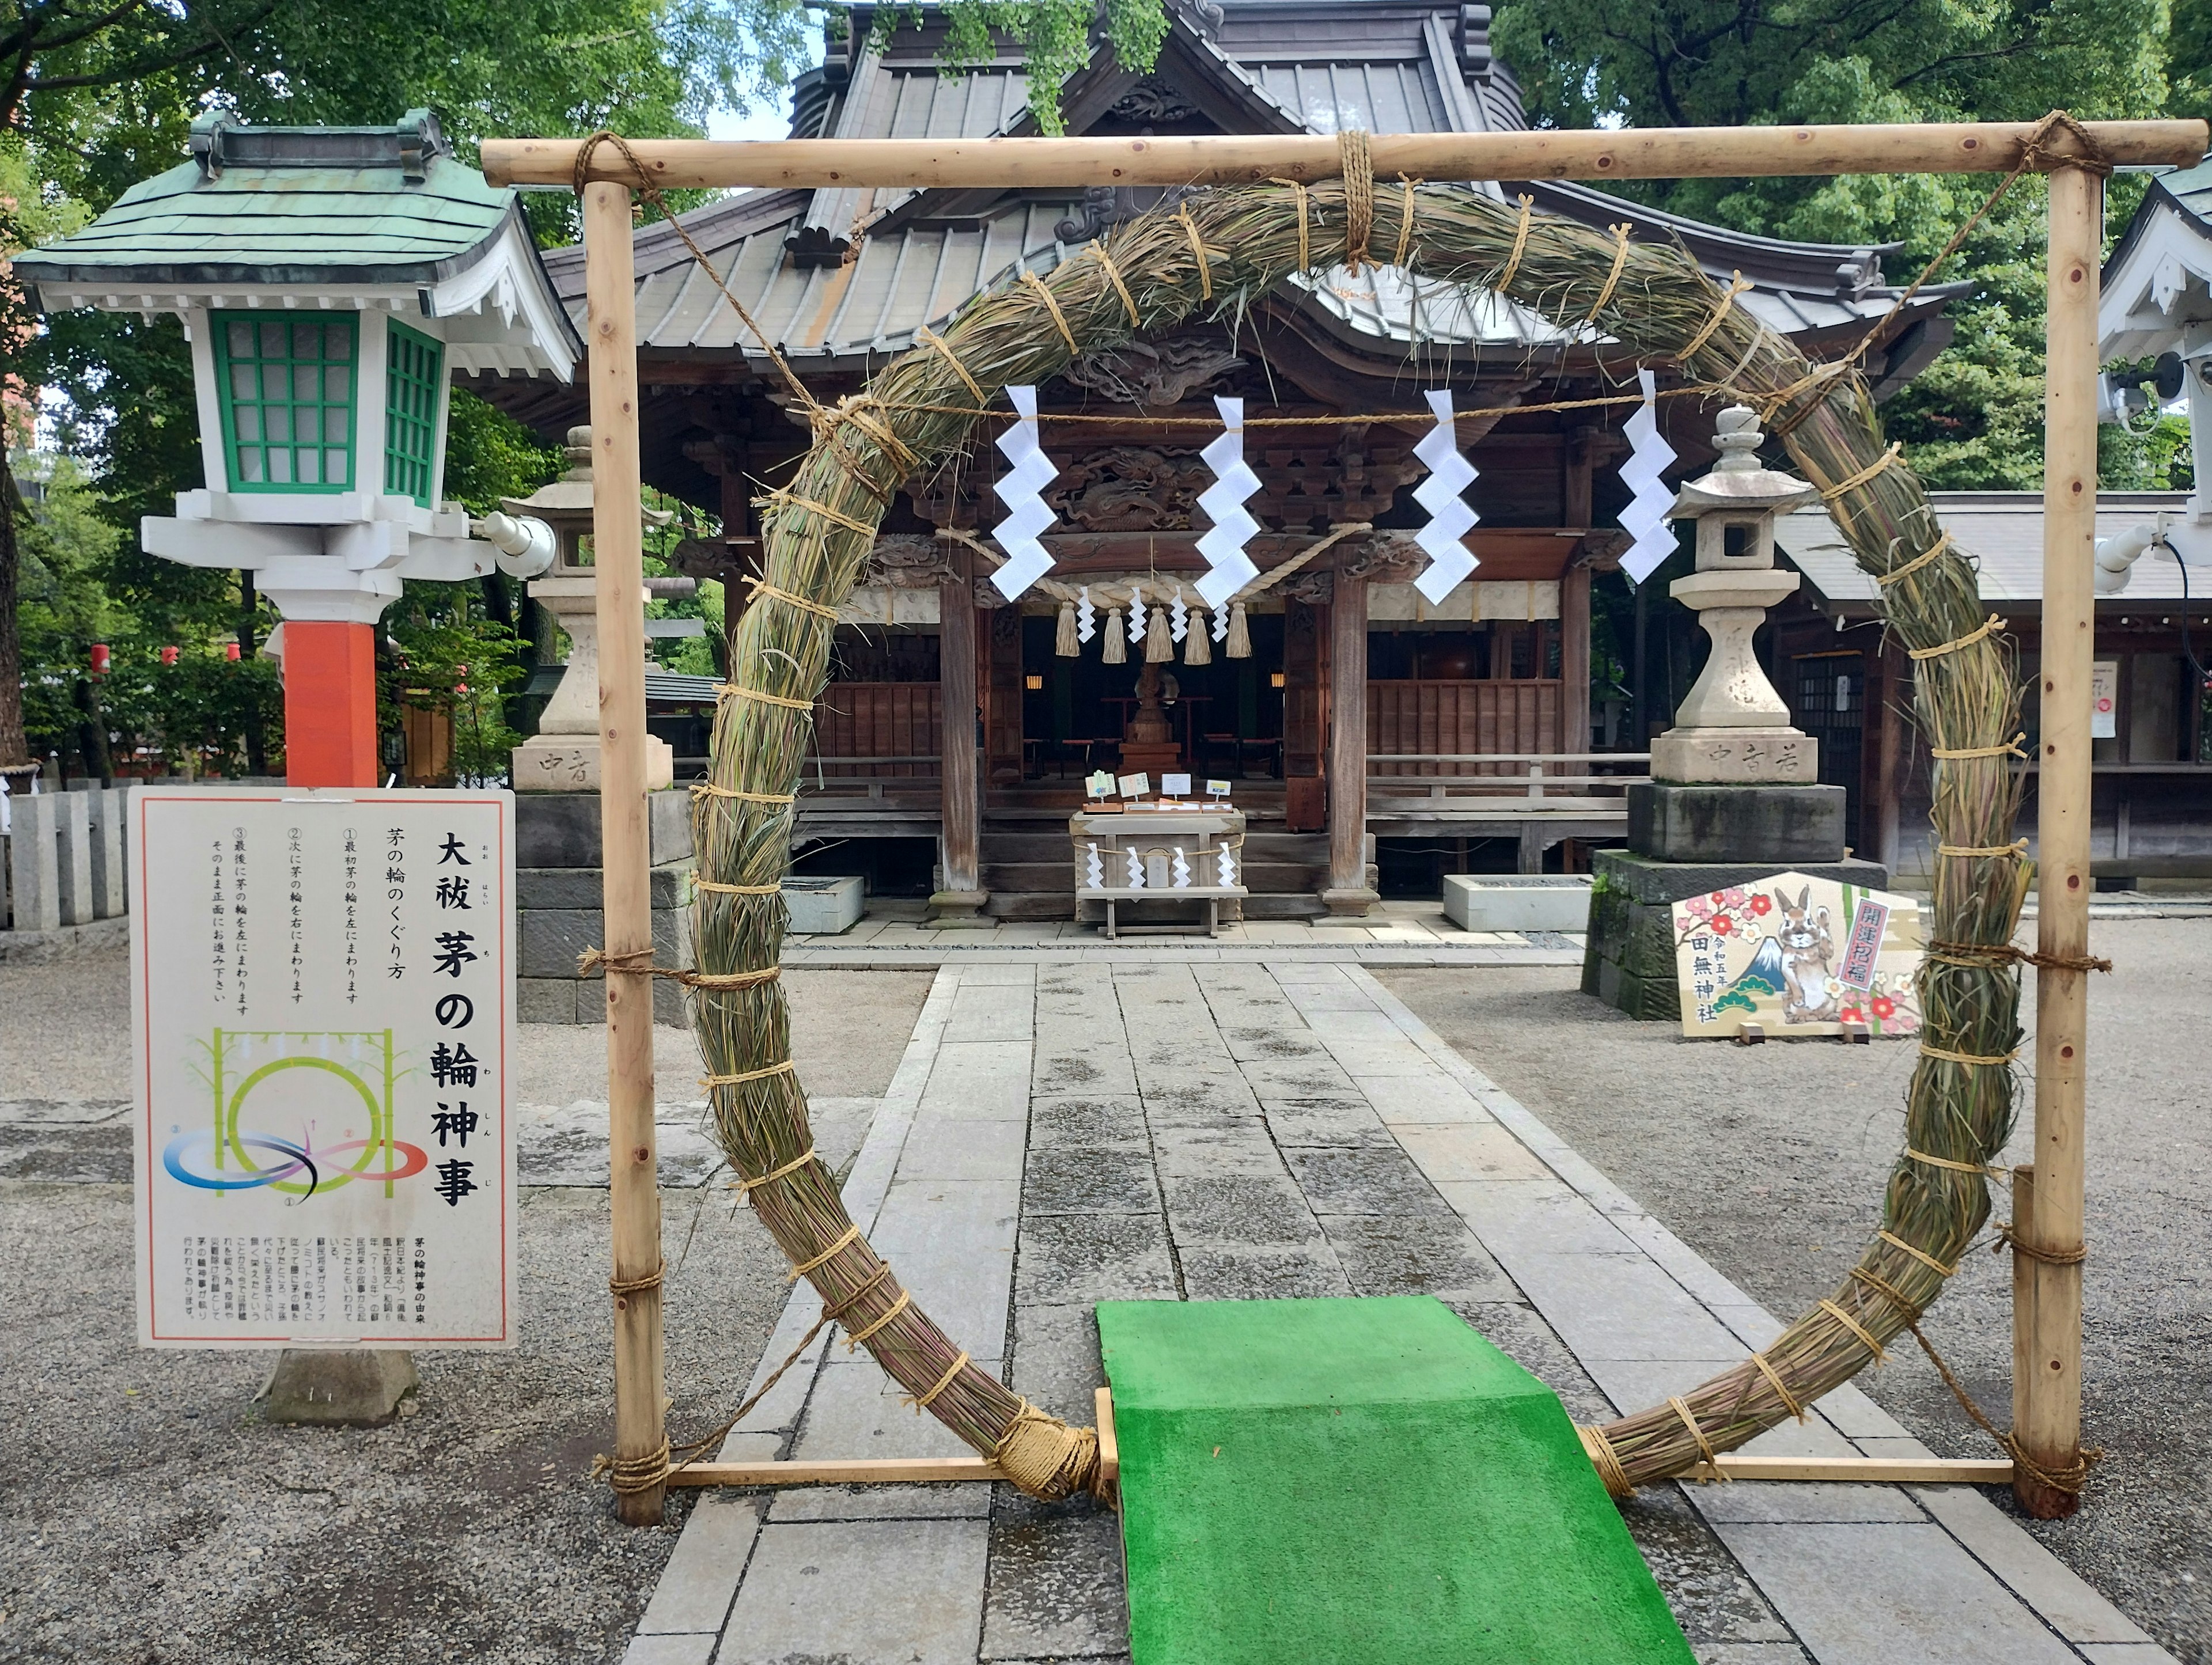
(1068, 1129)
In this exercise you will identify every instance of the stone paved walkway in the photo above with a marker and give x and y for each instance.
(1065, 1131)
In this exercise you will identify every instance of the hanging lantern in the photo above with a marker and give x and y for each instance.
(1159, 647)
(99, 658)
(1064, 642)
(1240, 634)
(1196, 649)
(1116, 651)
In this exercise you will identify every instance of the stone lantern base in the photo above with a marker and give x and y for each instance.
(1790, 825)
(558, 903)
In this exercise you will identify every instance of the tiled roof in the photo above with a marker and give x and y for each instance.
(2003, 532)
(381, 205)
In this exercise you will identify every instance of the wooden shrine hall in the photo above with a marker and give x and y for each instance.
(1344, 707)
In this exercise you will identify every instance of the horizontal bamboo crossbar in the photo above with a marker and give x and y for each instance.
(877, 1471)
(1677, 153)
(1862, 1471)
(910, 1471)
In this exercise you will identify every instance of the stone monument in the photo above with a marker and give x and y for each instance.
(558, 879)
(1733, 794)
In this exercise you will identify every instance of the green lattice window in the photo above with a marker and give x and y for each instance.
(288, 394)
(414, 382)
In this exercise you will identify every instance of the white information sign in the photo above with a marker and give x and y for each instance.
(324, 1008)
(2105, 700)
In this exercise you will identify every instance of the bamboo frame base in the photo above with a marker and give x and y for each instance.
(921, 1471)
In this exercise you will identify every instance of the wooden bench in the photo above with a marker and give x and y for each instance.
(1211, 895)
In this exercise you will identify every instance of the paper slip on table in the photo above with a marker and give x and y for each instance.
(1203, 838)
(1339, 1481)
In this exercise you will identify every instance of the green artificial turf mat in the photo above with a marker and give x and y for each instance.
(1321, 1482)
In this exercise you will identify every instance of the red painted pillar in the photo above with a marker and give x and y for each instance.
(330, 704)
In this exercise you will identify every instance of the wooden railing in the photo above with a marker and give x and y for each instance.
(901, 774)
(1533, 778)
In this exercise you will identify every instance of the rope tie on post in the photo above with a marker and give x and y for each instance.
(1113, 276)
(1306, 218)
(741, 1076)
(715, 886)
(2007, 1238)
(1920, 1254)
(1781, 1388)
(758, 587)
(1982, 955)
(1864, 1335)
(943, 349)
(1197, 252)
(1982, 1168)
(1710, 1457)
(709, 789)
(1897, 575)
(1052, 306)
(1047, 1458)
(920, 1401)
(1520, 247)
(636, 1286)
(1720, 309)
(2070, 1477)
(638, 962)
(745, 1188)
(1606, 1461)
(730, 690)
(1953, 646)
(1405, 222)
(2017, 849)
(651, 194)
(1611, 278)
(2001, 748)
(1356, 164)
(1980, 1060)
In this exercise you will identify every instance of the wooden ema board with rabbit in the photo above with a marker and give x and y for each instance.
(1799, 956)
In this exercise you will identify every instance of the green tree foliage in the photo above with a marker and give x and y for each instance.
(1974, 418)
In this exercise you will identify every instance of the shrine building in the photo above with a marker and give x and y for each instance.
(1364, 729)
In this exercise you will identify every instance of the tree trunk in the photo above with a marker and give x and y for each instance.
(249, 647)
(91, 731)
(15, 752)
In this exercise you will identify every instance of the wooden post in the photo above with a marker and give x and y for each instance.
(619, 573)
(1347, 896)
(330, 704)
(1575, 660)
(961, 896)
(2048, 1326)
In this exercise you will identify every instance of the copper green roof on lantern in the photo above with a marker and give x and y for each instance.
(290, 206)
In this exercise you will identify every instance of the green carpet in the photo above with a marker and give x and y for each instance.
(1321, 1482)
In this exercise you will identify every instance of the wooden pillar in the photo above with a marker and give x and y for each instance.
(1347, 895)
(1883, 766)
(1305, 662)
(330, 703)
(618, 570)
(961, 899)
(2047, 1389)
(1574, 661)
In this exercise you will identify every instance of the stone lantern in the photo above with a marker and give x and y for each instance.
(564, 756)
(1733, 728)
(331, 281)
(1733, 796)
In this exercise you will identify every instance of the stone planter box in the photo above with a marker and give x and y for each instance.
(822, 907)
(1509, 901)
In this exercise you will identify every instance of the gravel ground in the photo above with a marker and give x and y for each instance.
(147, 1513)
(1770, 1161)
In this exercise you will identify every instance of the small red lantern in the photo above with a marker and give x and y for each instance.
(230, 652)
(168, 656)
(99, 659)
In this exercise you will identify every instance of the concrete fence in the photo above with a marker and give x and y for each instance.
(66, 862)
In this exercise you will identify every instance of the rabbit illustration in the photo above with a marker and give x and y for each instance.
(1807, 945)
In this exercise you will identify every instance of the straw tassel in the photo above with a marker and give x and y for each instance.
(1159, 647)
(1196, 650)
(1240, 633)
(1117, 650)
(1064, 643)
